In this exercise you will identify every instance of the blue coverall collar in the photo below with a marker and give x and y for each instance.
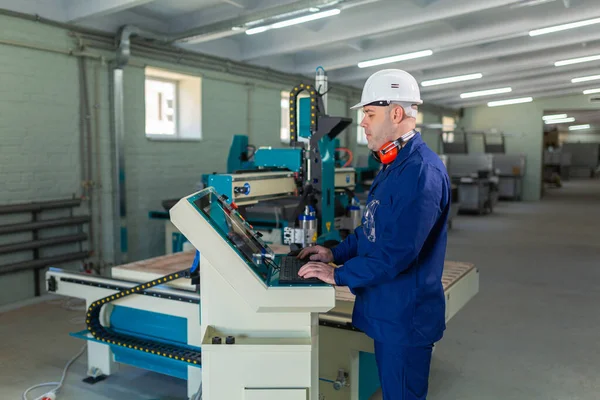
(403, 154)
(407, 150)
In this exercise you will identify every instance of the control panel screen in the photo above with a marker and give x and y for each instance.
(230, 224)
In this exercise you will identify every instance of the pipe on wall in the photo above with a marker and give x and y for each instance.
(39, 206)
(174, 55)
(85, 147)
(118, 120)
(98, 180)
(82, 161)
(43, 262)
(249, 89)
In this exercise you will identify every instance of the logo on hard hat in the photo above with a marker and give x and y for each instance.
(395, 86)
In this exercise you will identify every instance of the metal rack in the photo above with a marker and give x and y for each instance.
(34, 226)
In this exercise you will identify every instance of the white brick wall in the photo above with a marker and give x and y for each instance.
(39, 140)
(39, 147)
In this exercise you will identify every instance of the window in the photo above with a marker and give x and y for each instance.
(173, 105)
(419, 118)
(360, 131)
(161, 117)
(448, 125)
(285, 116)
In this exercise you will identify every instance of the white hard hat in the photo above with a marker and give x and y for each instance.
(390, 86)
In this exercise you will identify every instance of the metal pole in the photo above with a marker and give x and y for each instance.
(99, 192)
(321, 86)
(119, 160)
(118, 118)
(36, 256)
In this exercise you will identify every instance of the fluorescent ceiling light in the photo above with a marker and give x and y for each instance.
(294, 21)
(510, 101)
(579, 127)
(307, 18)
(530, 3)
(260, 29)
(554, 116)
(392, 59)
(585, 79)
(591, 91)
(564, 27)
(212, 36)
(576, 60)
(452, 79)
(485, 93)
(559, 120)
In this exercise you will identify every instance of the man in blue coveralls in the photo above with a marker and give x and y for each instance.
(393, 262)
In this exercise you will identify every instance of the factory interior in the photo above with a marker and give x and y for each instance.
(162, 161)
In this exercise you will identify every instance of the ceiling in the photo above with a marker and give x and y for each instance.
(582, 117)
(488, 37)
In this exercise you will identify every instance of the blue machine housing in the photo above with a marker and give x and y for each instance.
(238, 154)
(291, 159)
(327, 150)
(284, 158)
(222, 184)
(279, 158)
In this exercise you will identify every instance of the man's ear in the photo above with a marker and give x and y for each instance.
(398, 114)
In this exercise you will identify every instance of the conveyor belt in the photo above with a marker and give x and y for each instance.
(161, 349)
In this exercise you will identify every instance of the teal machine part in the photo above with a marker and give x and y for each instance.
(279, 158)
(308, 121)
(322, 130)
(238, 158)
(222, 184)
(290, 159)
(149, 325)
(368, 375)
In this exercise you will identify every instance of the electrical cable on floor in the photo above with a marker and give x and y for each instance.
(70, 304)
(198, 395)
(78, 306)
(52, 394)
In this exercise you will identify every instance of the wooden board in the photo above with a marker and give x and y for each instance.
(453, 271)
(153, 268)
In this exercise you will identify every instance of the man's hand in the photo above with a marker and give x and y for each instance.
(317, 253)
(318, 270)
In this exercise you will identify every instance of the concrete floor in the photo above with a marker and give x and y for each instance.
(532, 333)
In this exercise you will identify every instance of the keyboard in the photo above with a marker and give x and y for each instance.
(288, 271)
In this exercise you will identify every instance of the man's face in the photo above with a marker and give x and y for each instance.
(378, 126)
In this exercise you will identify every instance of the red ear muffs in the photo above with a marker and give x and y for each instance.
(388, 152)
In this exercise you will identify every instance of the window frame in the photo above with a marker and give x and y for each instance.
(361, 139)
(176, 111)
(448, 134)
(188, 101)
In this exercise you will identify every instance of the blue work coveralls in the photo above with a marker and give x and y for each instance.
(393, 263)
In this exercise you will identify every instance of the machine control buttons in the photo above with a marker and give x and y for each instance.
(242, 189)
